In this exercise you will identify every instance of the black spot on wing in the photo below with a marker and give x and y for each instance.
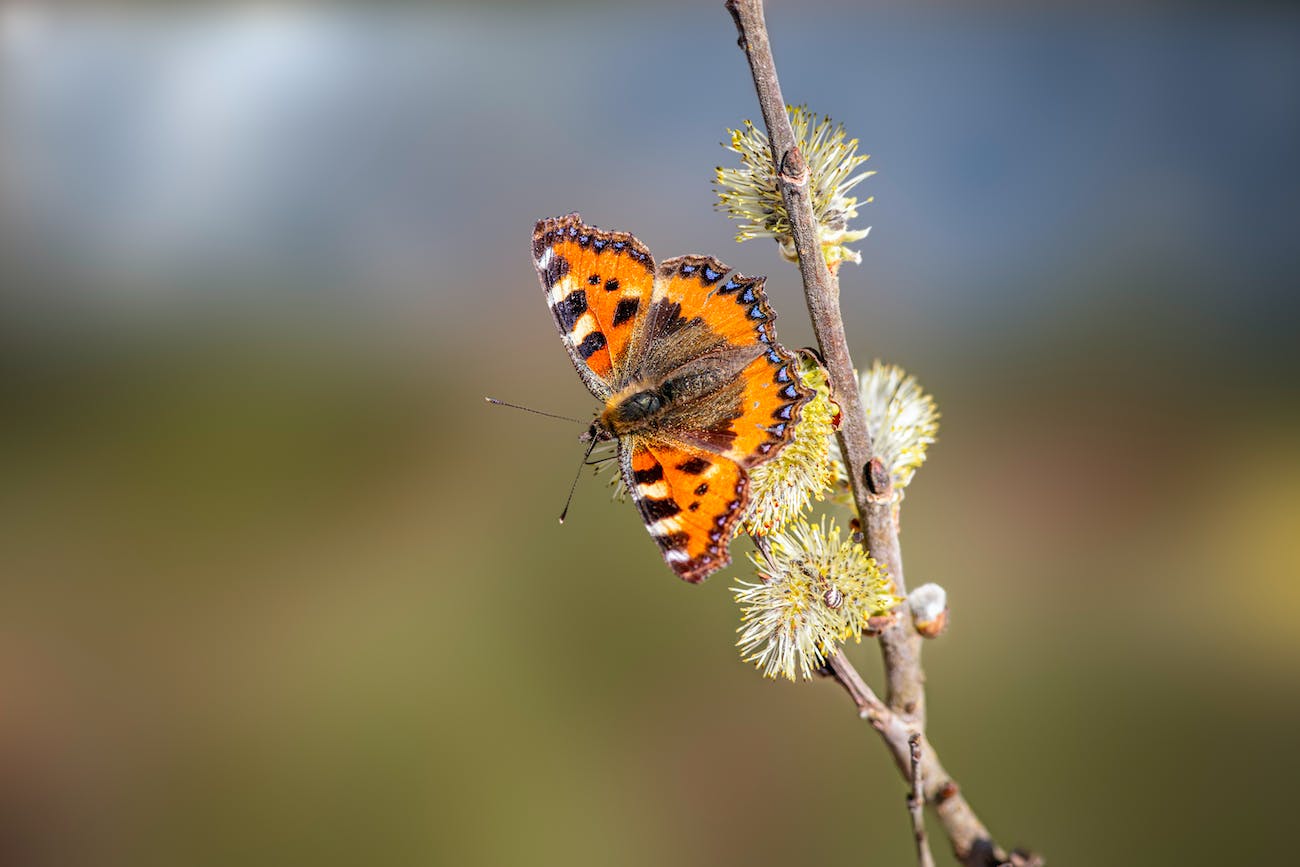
(569, 309)
(591, 344)
(694, 466)
(626, 309)
(671, 541)
(650, 476)
(656, 509)
(555, 270)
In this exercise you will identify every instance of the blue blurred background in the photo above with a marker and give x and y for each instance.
(280, 588)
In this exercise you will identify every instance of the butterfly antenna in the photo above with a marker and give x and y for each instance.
(530, 409)
(577, 476)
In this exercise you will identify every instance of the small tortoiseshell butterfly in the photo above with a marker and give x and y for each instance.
(696, 389)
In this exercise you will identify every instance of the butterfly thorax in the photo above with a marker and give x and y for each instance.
(700, 394)
(631, 410)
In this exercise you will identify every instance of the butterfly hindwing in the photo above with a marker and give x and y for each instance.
(773, 398)
(690, 501)
(597, 284)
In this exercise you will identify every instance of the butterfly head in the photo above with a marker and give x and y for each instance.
(639, 405)
(597, 432)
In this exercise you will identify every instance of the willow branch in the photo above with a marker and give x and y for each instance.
(903, 712)
(969, 838)
(872, 487)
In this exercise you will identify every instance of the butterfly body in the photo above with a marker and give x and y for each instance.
(695, 388)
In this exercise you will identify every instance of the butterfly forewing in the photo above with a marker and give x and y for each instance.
(597, 284)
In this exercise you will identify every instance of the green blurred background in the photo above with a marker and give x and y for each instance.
(278, 587)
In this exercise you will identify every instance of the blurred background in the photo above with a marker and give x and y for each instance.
(279, 588)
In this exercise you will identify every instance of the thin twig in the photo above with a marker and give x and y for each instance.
(970, 840)
(903, 712)
(916, 805)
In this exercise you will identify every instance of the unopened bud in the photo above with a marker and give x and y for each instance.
(929, 604)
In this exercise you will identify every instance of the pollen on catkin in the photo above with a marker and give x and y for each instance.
(902, 421)
(749, 193)
(814, 591)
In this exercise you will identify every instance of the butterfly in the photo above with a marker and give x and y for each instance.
(696, 390)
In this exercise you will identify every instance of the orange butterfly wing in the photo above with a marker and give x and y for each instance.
(690, 501)
(736, 309)
(596, 284)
